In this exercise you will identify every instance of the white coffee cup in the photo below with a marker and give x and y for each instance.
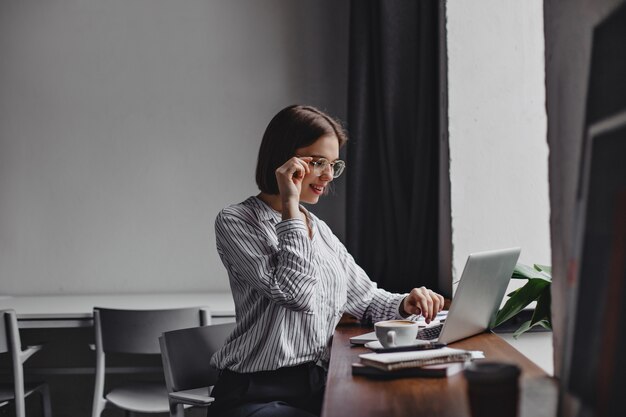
(392, 333)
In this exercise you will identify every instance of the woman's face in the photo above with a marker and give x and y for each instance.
(314, 184)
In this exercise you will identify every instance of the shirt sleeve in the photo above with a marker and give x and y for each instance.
(285, 273)
(365, 300)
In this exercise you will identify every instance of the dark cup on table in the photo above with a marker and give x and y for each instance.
(493, 389)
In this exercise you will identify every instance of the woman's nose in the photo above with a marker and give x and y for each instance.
(327, 174)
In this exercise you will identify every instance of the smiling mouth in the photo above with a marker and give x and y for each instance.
(317, 189)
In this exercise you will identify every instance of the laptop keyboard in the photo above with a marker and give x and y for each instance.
(429, 333)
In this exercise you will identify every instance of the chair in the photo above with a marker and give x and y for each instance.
(136, 332)
(10, 342)
(186, 356)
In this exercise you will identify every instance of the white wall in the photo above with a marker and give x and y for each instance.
(125, 125)
(497, 127)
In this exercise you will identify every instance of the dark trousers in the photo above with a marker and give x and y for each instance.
(290, 392)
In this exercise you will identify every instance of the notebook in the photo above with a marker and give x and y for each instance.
(427, 371)
(482, 286)
(403, 360)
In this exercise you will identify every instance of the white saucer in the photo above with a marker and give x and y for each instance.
(375, 344)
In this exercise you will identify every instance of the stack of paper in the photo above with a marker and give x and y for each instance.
(430, 363)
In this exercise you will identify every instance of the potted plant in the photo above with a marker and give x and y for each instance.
(536, 289)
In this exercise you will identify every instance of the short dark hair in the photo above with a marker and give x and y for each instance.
(292, 128)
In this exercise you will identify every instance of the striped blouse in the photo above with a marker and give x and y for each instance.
(289, 291)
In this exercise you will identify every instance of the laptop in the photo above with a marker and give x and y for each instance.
(477, 299)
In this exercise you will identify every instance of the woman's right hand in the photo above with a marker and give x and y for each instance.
(289, 177)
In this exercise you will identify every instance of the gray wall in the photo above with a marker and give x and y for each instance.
(568, 32)
(125, 125)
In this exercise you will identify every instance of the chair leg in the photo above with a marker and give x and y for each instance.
(45, 400)
(176, 409)
(98, 407)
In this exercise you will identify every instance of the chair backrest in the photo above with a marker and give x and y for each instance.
(10, 338)
(4, 333)
(138, 331)
(187, 354)
(10, 342)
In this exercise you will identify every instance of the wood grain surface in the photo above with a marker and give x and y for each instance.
(348, 395)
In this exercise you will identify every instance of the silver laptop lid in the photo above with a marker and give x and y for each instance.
(482, 286)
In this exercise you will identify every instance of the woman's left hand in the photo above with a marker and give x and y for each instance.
(423, 301)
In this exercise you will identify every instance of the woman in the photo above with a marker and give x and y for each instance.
(291, 277)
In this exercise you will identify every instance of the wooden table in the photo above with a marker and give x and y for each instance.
(67, 311)
(433, 397)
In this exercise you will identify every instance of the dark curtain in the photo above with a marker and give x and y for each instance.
(393, 152)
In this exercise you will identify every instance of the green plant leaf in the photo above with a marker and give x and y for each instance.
(546, 268)
(526, 326)
(521, 329)
(542, 311)
(537, 288)
(522, 271)
(525, 295)
(544, 324)
(512, 293)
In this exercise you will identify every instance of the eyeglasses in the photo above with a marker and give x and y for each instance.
(321, 164)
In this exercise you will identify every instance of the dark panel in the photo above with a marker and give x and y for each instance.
(607, 82)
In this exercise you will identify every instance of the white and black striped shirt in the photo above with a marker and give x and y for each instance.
(289, 291)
